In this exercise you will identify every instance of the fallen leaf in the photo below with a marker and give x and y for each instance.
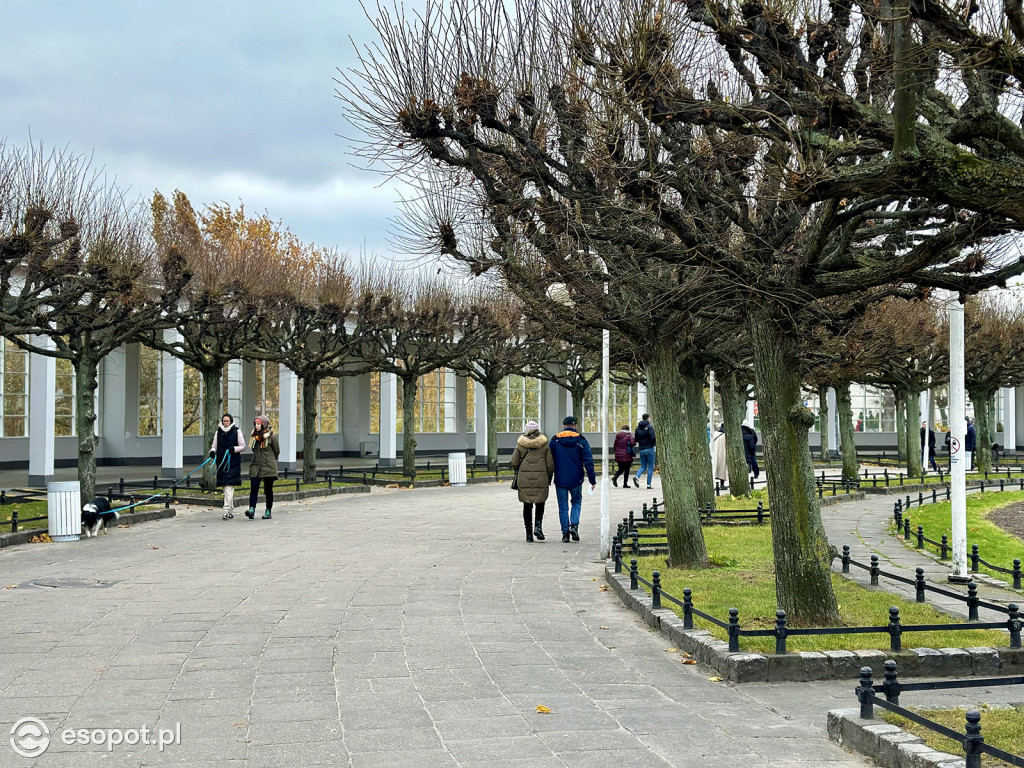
(671, 650)
(594, 579)
(690, 661)
(685, 655)
(11, 586)
(153, 546)
(715, 679)
(604, 627)
(541, 709)
(603, 588)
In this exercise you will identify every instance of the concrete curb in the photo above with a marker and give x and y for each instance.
(22, 537)
(241, 496)
(745, 667)
(885, 743)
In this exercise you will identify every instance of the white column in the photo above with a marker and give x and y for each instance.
(1009, 419)
(480, 420)
(450, 401)
(925, 404)
(462, 384)
(236, 397)
(958, 432)
(388, 419)
(173, 411)
(42, 405)
(833, 420)
(641, 401)
(287, 416)
(606, 480)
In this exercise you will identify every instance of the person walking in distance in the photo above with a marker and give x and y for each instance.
(969, 445)
(645, 442)
(226, 452)
(573, 459)
(534, 469)
(750, 448)
(625, 450)
(263, 469)
(931, 445)
(721, 468)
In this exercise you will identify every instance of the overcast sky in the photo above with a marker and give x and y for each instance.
(226, 100)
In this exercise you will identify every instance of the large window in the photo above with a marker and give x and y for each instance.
(518, 401)
(267, 391)
(14, 389)
(64, 408)
(327, 406)
(192, 411)
(622, 405)
(150, 392)
(435, 409)
(874, 409)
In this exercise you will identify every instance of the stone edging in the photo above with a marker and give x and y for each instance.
(743, 667)
(241, 496)
(22, 537)
(885, 743)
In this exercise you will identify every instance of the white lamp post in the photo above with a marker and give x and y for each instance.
(958, 433)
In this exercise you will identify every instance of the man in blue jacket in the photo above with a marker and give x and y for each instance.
(573, 458)
(969, 445)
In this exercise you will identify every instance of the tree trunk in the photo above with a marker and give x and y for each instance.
(491, 404)
(913, 400)
(577, 407)
(409, 426)
(823, 420)
(803, 556)
(86, 382)
(211, 419)
(682, 518)
(734, 406)
(844, 411)
(695, 415)
(310, 385)
(982, 428)
(905, 66)
(901, 425)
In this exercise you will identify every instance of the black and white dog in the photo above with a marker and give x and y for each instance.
(97, 515)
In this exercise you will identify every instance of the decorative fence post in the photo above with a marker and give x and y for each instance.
(895, 630)
(734, 630)
(633, 584)
(920, 537)
(617, 554)
(1013, 624)
(975, 557)
(1016, 573)
(919, 584)
(865, 692)
(656, 589)
(874, 570)
(973, 742)
(780, 632)
(906, 529)
(972, 601)
(892, 683)
(687, 608)
(760, 513)
(846, 558)
(944, 546)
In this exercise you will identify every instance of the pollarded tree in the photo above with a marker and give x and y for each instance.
(85, 274)
(993, 358)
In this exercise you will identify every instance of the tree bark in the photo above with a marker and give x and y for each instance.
(823, 420)
(901, 425)
(803, 556)
(86, 382)
(682, 518)
(491, 404)
(904, 110)
(310, 386)
(695, 416)
(211, 418)
(577, 407)
(409, 426)
(913, 400)
(844, 410)
(981, 397)
(734, 406)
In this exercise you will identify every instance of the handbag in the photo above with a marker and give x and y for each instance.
(515, 481)
(631, 449)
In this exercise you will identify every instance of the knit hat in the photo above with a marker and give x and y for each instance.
(746, 423)
(263, 420)
(569, 421)
(532, 426)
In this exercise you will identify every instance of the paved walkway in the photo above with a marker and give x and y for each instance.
(401, 628)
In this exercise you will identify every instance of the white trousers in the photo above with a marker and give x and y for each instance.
(229, 497)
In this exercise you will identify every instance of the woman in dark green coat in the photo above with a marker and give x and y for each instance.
(532, 459)
(263, 469)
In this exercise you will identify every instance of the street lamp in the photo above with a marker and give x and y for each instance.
(957, 432)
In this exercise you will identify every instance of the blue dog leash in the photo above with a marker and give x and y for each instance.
(175, 485)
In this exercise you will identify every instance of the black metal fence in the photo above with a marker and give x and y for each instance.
(886, 479)
(971, 740)
(781, 632)
(944, 547)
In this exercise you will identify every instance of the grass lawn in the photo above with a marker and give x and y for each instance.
(1002, 728)
(743, 577)
(994, 544)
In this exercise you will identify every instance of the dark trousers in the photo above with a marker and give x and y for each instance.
(624, 467)
(268, 491)
(528, 520)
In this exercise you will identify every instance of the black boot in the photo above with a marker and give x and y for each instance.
(574, 532)
(537, 532)
(529, 536)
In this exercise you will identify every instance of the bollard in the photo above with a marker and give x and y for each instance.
(972, 601)
(14, 520)
(891, 686)
(908, 502)
(760, 513)
(687, 608)
(734, 630)
(709, 511)
(632, 520)
(633, 574)
(330, 481)
(1016, 573)
(1013, 625)
(947, 493)
(975, 557)
(780, 632)
(919, 584)
(897, 515)
(636, 542)
(617, 554)
(973, 741)
(895, 630)
(865, 692)
(656, 589)
(935, 495)
(846, 558)
(120, 485)
(874, 570)
(944, 547)
(1000, 485)
(920, 537)
(296, 485)
(982, 486)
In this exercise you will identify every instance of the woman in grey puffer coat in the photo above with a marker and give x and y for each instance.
(532, 458)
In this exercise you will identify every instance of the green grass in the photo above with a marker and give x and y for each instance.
(994, 544)
(1002, 728)
(742, 502)
(38, 509)
(743, 577)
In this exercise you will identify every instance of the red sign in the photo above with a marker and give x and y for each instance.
(755, 408)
